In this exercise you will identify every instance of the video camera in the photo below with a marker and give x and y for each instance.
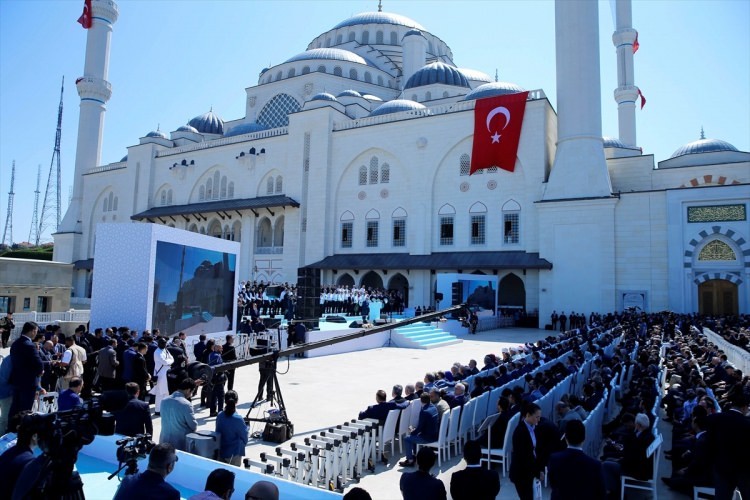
(130, 450)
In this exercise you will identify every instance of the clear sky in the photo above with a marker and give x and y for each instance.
(173, 60)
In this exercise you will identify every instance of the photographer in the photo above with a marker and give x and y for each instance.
(151, 484)
(6, 326)
(15, 459)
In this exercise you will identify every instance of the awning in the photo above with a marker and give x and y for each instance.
(226, 206)
(452, 260)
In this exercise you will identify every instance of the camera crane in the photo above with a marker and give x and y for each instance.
(269, 362)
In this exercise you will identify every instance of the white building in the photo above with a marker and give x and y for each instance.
(353, 158)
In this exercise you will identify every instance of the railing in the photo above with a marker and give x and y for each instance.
(263, 134)
(269, 250)
(104, 168)
(739, 357)
(45, 318)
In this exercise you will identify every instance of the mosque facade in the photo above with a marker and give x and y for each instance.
(353, 158)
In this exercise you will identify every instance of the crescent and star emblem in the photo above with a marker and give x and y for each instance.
(500, 110)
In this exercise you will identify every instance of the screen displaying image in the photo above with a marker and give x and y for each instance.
(479, 293)
(193, 290)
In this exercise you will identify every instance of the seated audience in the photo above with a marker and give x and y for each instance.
(474, 482)
(421, 484)
(425, 432)
(150, 484)
(219, 485)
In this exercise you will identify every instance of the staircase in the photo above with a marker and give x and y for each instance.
(422, 336)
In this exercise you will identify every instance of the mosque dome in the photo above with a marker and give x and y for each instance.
(245, 128)
(329, 54)
(187, 128)
(493, 89)
(437, 72)
(379, 18)
(371, 97)
(477, 76)
(397, 106)
(703, 146)
(124, 158)
(324, 96)
(208, 123)
(158, 134)
(613, 142)
(349, 93)
(413, 32)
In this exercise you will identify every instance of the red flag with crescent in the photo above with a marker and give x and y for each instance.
(497, 131)
(643, 99)
(86, 19)
(636, 45)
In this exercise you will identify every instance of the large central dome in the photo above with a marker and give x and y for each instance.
(379, 18)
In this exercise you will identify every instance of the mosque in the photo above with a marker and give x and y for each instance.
(353, 160)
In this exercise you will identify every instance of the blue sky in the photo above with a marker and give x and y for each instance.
(173, 60)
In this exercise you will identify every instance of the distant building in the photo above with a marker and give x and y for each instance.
(28, 285)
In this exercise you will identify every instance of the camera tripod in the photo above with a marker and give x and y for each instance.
(270, 380)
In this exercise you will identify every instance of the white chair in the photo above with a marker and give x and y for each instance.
(415, 407)
(501, 455)
(702, 490)
(46, 403)
(452, 438)
(654, 451)
(389, 432)
(467, 418)
(480, 413)
(440, 444)
(404, 422)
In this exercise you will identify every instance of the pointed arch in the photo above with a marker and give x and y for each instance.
(265, 233)
(372, 280)
(511, 205)
(278, 232)
(345, 280)
(447, 209)
(372, 215)
(399, 212)
(478, 208)
(511, 291)
(347, 215)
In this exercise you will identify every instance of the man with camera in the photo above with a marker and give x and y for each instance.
(151, 484)
(6, 326)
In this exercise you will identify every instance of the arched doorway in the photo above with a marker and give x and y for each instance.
(718, 297)
(372, 280)
(400, 284)
(511, 292)
(345, 280)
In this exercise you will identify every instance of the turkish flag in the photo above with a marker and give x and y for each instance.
(636, 45)
(86, 19)
(497, 130)
(643, 99)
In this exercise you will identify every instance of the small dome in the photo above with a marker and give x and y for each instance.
(437, 72)
(157, 133)
(703, 146)
(413, 32)
(187, 128)
(124, 158)
(612, 142)
(370, 97)
(328, 54)
(493, 89)
(379, 18)
(477, 76)
(349, 93)
(323, 96)
(208, 123)
(397, 106)
(245, 128)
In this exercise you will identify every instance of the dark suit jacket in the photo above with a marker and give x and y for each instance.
(27, 363)
(133, 419)
(699, 470)
(146, 485)
(524, 466)
(421, 486)
(634, 462)
(140, 372)
(573, 475)
(428, 423)
(729, 442)
(475, 483)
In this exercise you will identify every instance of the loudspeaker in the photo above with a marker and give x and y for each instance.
(438, 296)
(457, 293)
(308, 291)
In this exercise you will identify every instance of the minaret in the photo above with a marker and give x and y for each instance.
(415, 54)
(94, 91)
(626, 92)
(579, 170)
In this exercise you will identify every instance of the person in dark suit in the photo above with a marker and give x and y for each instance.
(26, 366)
(525, 466)
(474, 482)
(421, 484)
(135, 417)
(426, 431)
(15, 458)
(497, 436)
(699, 470)
(140, 375)
(729, 442)
(573, 474)
(633, 462)
(229, 354)
(150, 484)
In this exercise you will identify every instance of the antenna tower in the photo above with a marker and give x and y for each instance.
(8, 232)
(51, 205)
(34, 230)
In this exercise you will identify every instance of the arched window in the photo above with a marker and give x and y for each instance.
(305, 70)
(230, 190)
(269, 185)
(275, 113)
(237, 231)
(328, 42)
(511, 222)
(351, 36)
(347, 227)
(368, 77)
(201, 193)
(465, 164)
(169, 197)
(365, 37)
(278, 76)
(111, 201)
(114, 206)
(717, 250)
(193, 228)
(265, 234)
(214, 229)
(380, 80)
(217, 179)
(399, 227)
(414, 97)
(446, 217)
(362, 176)
(105, 205)
(385, 173)
(209, 189)
(290, 73)
(428, 96)
(379, 37)
(394, 38)
(339, 39)
(163, 198)
(223, 187)
(278, 232)
(373, 228)
(337, 71)
(279, 185)
(353, 74)
(321, 69)
(373, 170)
